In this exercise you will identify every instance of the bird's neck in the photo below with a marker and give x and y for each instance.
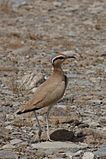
(58, 70)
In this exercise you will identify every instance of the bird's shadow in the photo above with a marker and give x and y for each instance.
(65, 135)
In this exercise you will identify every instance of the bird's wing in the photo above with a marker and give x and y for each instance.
(38, 97)
(55, 94)
(45, 95)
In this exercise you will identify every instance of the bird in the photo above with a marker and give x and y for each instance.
(48, 93)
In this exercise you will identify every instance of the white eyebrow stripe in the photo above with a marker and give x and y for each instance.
(57, 57)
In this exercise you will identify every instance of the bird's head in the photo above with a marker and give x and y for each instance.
(60, 59)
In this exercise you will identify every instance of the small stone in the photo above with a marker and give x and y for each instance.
(9, 127)
(103, 120)
(96, 102)
(15, 141)
(57, 4)
(83, 125)
(101, 152)
(69, 155)
(10, 154)
(8, 146)
(72, 8)
(62, 135)
(31, 81)
(94, 124)
(78, 153)
(88, 155)
(92, 79)
(72, 34)
(40, 154)
(79, 133)
(61, 155)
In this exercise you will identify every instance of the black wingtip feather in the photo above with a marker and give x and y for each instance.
(18, 112)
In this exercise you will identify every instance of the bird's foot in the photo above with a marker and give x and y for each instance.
(49, 139)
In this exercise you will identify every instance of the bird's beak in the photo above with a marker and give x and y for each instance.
(70, 57)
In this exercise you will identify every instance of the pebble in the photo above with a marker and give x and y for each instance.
(78, 153)
(10, 154)
(57, 4)
(103, 120)
(101, 152)
(96, 102)
(16, 4)
(15, 141)
(31, 81)
(8, 146)
(88, 155)
(95, 8)
(83, 125)
(94, 124)
(9, 127)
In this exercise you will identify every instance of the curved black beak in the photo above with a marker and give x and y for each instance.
(71, 56)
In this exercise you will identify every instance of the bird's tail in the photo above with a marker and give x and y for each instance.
(20, 112)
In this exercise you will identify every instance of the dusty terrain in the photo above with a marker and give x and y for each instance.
(31, 32)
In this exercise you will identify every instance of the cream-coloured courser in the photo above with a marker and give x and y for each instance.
(48, 93)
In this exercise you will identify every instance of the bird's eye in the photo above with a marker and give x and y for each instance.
(61, 58)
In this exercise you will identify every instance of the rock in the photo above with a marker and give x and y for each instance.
(8, 146)
(9, 154)
(19, 3)
(62, 135)
(58, 145)
(94, 124)
(88, 155)
(72, 34)
(79, 133)
(69, 154)
(101, 152)
(31, 81)
(83, 125)
(4, 133)
(9, 127)
(40, 154)
(102, 120)
(15, 141)
(95, 8)
(61, 155)
(78, 153)
(96, 102)
(92, 79)
(72, 8)
(57, 4)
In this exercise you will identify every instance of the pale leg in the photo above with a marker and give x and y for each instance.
(40, 129)
(47, 122)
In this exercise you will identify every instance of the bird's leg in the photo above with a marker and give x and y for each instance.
(47, 122)
(40, 129)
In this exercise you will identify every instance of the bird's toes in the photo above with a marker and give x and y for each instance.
(49, 139)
